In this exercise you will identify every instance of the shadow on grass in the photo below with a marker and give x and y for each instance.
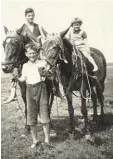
(102, 123)
(61, 126)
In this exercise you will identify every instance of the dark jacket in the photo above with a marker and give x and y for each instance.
(25, 31)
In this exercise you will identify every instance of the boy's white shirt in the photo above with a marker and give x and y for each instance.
(31, 27)
(30, 72)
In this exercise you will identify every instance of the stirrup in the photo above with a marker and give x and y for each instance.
(93, 77)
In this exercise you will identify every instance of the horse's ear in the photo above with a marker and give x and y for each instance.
(6, 30)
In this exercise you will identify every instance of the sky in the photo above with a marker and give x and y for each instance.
(56, 15)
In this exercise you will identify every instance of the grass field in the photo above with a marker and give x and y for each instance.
(64, 145)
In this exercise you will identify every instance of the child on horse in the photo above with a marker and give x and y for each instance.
(78, 38)
(37, 96)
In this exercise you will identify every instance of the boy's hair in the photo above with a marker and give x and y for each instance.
(31, 46)
(29, 10)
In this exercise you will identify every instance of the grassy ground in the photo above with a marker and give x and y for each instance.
(64, 146)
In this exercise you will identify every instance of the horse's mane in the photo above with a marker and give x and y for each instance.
(67, 44)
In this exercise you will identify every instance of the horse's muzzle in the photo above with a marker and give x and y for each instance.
(6, 68)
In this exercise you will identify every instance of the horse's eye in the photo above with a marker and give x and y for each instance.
(13, 42)
(54, 47)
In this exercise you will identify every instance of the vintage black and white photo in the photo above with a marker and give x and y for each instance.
(56, 79)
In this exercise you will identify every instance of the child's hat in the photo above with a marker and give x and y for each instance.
(76, 20)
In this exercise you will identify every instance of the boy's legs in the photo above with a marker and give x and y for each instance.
(34, 135)
(88, 56)
(32, 114)
(46, 132)
(44, 112)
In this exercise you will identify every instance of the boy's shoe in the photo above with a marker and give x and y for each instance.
(34, 145)
(65, 61)
(95, 68)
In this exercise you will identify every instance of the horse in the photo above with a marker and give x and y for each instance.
(77, 77)
(14, 48)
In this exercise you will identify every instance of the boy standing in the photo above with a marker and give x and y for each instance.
(37, 98)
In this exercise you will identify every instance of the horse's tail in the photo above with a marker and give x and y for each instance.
(103, 60)
(105, 72)
(105, 68)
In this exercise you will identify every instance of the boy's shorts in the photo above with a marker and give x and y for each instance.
(37, 103)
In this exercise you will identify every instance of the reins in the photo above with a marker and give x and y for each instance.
(83, 65)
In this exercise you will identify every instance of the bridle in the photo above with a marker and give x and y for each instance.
(57, 43)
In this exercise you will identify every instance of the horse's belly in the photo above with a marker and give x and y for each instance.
(76, 86)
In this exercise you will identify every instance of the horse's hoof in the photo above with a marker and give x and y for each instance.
(95, 118)
(52, 133)
(102, 119)
(23, 136)
(90, 139)
(87, 137)
(70, 130)
(78, 133)
(77, 130)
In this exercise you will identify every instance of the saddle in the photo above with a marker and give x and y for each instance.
(81, 61)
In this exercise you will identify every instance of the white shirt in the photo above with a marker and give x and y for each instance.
(30, 72)
(31, 27)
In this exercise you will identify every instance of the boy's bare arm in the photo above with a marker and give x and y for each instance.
(19, 79)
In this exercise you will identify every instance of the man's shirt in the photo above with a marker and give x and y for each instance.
(30, 72)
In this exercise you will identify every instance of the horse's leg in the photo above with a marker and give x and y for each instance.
(83, 107)
(101, 99)
(94, 100)
(23, 93)
(102, 86)
(51, 98)
(70, 110)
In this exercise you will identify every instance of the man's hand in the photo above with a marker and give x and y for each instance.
(15, 77)
(15, 74)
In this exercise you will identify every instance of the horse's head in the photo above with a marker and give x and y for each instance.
(14, 52)
(54, 50)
